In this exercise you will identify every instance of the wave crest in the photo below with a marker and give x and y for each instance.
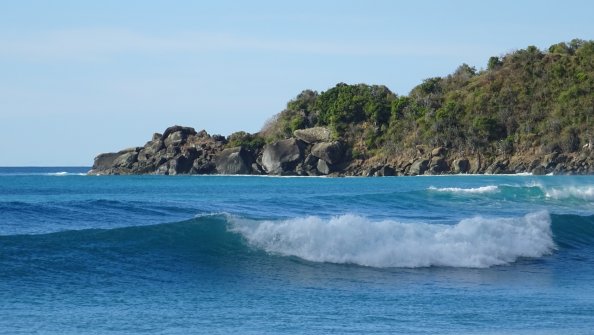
(577, 192)
(477, 190)
(477, 242)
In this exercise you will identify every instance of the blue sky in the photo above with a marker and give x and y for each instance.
(82, 77)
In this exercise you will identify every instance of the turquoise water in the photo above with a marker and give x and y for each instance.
(264, 255)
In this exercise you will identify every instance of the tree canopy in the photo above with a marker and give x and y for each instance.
(525, 99)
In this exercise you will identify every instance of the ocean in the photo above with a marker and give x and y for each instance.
(278, 255)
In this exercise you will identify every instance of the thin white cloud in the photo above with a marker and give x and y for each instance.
(89, 44)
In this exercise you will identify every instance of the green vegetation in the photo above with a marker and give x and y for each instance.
(526, 99)
(251, 142)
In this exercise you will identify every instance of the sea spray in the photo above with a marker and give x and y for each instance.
(577, 192)
(475, 190)
(476, 242)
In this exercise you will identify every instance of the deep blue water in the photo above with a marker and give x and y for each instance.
(264, 255)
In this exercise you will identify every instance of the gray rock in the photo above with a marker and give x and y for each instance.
(323, 167)
(203, 167)
(177, 135)
(282, 156)
(174, 152)
(219, 138)
(461, 165)
(191, 153)
(257, 169)
(126, 160)
(439, 151)
(310, 161)
(313, 135)
(157, 137)
(331, 152)
(175, 139)
(385, 171)
(180, 165)
(234, 161)
(163, 169)
(186, 131)
(419, 167)
(104, 161)
(438, 165)
(149, 150)
(127, 150)
(498, 167)
(539, 171)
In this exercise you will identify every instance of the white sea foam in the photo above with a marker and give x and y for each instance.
(579, 192)
(61, 173)
(477, 242)
(477, 190)
(64, 173)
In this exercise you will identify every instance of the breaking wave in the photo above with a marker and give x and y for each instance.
(576, 192)
(476, 190)
(477, 242)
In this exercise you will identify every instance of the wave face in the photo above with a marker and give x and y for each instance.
(349, 239)
(477, 242)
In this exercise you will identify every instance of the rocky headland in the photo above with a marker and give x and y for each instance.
(529, 111)
(312, 152)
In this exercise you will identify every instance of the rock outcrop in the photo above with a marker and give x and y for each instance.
(282, 157)
(182, 150)
(331, 152)
(313, 135)
(179, 150)
(235, 160)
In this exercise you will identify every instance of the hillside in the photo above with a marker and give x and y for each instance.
(529, 111)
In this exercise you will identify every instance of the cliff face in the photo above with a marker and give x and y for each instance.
(312, 152)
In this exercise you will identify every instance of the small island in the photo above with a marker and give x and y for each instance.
(529, 111)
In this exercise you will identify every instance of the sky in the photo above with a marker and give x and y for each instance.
(78, 78)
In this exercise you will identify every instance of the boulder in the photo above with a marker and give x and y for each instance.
(461, 165)
(177, 135)
(163, 169)
(310, 162)
(313, 135)
(175, 139)
(234, 161)
(281, 156)
(331, 152)
(126, 159)
(438, 165)
(498, 167)
(202, 166)
(439, 151)
(104, 161)
(185, 131)
(149, 150)
(180, 165)
(257, 169)
(323, 167)
(419, 167)
(385, 171)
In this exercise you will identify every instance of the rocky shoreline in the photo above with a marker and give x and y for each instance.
(312, 152)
